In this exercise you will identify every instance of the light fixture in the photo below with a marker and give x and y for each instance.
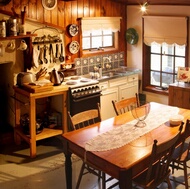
(144, 7)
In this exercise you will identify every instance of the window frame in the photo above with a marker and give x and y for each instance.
(146, 84)
(86, 53)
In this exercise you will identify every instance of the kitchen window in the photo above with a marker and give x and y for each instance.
(164, 50)
(163, 64)
(97, 40)
(99, 35)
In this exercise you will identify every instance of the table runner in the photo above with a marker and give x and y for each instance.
(126, 133)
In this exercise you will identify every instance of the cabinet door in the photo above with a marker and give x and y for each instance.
(128, 90)
(107, 110)
(179, 97)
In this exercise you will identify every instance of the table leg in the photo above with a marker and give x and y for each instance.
(125, 179)
(32, 128)
(68, 171)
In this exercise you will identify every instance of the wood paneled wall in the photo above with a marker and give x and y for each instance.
(67, 12)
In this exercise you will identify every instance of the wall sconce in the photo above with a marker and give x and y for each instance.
(144, 7)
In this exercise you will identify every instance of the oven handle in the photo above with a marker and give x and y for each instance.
(85, 98)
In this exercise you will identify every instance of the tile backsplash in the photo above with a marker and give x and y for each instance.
(86, 65)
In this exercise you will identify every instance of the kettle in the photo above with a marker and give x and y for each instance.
(56, 77)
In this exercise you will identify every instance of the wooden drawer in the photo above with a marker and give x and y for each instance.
(131, 78)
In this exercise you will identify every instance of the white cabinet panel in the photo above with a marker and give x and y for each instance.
(107, 109)
(116, 89)
(128, 90)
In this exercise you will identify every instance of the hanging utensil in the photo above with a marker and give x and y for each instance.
(54, 58)
(61, 57)
(45, 59)
(40, 56)
(57, 52)
(50, 53)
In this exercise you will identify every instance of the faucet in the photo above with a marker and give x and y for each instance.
(104, 59)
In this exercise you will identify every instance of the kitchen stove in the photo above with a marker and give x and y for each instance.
(84, 93)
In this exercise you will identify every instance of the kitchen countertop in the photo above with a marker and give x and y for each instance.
(116, 73)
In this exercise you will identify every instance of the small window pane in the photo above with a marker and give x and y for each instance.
(155, 48)
(180, 50)
(86, 33)
(107, 32)
(107, 41)
(96, 42)
(166, 49)
(179, 62)
(155, 78)
(155, 62)
(166, 79)
(167, 64)
(96, 32)
(86, 43)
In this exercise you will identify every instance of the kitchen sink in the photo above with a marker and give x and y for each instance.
(109, 75)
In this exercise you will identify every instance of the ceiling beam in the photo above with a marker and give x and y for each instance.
(154, 2)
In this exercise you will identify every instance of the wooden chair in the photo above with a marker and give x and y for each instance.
(80, 120)
(160, 159)
(125, 105)
(182, 155)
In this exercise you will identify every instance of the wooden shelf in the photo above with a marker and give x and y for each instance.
(17, 37)
(46, 133)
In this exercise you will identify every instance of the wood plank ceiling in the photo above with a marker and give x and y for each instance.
(154, 2)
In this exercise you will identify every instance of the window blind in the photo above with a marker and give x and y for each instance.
(165, 29)
(100, 23)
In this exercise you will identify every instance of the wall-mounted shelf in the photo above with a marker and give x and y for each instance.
(17, 37)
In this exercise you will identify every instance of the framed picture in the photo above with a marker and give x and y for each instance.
(183, 74)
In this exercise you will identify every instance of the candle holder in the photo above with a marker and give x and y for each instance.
(140, 114)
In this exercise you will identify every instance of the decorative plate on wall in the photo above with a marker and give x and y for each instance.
(73, 29)
(74, 47)
(132, 36)
(49, 4)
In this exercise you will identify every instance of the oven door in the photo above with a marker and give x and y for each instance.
(84, 103)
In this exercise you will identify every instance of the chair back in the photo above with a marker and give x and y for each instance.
(161, 158)
(85, 118)
(125, 105)
(183, 148)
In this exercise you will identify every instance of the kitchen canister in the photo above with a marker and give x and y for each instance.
(2, 28)
(12, 26)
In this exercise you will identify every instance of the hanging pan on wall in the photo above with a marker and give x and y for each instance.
(132, 36)
(4, 2)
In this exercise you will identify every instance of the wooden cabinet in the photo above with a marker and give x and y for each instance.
(130, 88)
(108, 94)
(117, 89)
(47, 132)
(179, 95)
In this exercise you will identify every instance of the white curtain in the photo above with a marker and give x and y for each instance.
(165, 29)
(100, 23)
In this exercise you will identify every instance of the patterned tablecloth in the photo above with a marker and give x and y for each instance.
(126, 133)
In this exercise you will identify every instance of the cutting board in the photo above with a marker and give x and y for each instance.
(38, 88)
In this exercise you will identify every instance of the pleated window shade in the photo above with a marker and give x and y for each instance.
(165, 29)
(100, 23)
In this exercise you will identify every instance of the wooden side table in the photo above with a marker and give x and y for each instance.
(47, 132)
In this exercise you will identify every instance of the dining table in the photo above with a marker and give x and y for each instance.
(119, 148)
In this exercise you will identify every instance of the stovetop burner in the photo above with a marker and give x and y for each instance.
(71, 83)
(79, 81)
